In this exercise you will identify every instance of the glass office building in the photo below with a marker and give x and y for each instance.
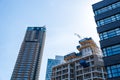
(28, 63)
(107, 17)
(51, 63)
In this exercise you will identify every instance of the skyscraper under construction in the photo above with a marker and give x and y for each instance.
(28, 63)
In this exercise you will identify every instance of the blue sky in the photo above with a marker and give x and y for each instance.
(62, 18)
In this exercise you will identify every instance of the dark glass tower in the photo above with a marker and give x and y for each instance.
(107, 17)
(28, 63)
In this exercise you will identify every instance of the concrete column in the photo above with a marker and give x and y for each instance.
(75, 72)
(68, 71)
(103, 73)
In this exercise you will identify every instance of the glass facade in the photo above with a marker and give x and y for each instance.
(107, 8)
(27, 66)
(113, 71)
(108, 27)
(109, 34)
(112, 50)
(25, 63)
(108, 20)
(51, 63)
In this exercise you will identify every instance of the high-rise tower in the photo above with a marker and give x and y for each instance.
(28, 63)
(51, 63)
(107, 17)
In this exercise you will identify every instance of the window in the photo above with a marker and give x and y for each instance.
(113, 71)
(111, 50)
(108, 20)
(109, 34)
(107, 8)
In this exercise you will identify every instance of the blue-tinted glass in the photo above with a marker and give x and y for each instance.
(109, 34)
(30, 28)
(113, 71)
(107, 8)
(108, 20)
(115, 74)
(111, 50)
(119, 70)
(51, 63)
(109, 76)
